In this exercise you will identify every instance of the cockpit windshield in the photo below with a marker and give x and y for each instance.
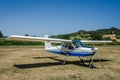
(78, 43)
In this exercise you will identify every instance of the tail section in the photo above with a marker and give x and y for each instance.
(47, 43)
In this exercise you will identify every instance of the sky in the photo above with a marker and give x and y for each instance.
(53, 17)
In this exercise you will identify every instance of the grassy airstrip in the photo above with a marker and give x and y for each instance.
(33, 63)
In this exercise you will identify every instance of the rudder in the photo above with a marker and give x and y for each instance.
(47, 43)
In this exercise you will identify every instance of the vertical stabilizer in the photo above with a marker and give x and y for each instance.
(47, 43)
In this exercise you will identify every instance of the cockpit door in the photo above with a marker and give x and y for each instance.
(67, 47)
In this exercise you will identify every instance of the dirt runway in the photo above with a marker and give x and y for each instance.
(33, 63)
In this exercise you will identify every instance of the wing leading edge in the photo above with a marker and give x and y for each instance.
(96, 41)
(29, 38)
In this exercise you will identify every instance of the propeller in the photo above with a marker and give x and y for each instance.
(97, 53)
(95, 49)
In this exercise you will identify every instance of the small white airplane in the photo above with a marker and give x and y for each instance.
(67, 47)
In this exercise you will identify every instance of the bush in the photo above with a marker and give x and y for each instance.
(118, 36)
(12, 42)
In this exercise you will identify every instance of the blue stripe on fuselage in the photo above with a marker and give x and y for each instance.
(72, 53)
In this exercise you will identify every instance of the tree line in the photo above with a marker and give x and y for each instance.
(1, 35)
(3, 41)
(90, 35)
(13, 42)
(81, 34)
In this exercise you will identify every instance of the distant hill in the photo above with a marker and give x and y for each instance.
(92, 35)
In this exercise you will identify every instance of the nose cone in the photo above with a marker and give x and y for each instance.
(95, 49)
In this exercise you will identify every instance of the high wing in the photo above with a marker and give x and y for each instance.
(96, 41)
(29, 38)
(45, 38)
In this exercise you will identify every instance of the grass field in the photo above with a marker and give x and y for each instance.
(33, 63)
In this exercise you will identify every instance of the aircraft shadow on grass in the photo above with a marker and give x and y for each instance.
(35, 65)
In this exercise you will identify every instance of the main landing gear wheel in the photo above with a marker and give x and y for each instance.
(63, 62)
(82, 61)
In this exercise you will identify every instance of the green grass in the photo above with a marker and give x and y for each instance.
(13, 42)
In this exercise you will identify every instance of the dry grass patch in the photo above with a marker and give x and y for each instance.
(33, 63)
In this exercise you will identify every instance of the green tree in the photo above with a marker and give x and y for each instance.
(27, 35)
(96, 36)
(65, 36)
(1, 35)
(76, 38)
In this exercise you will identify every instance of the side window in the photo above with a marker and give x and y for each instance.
(68, 46)
(76, 45)
(64, 45)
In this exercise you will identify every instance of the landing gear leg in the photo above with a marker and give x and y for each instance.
(64, 62)
(91, 63)
(81, 60)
